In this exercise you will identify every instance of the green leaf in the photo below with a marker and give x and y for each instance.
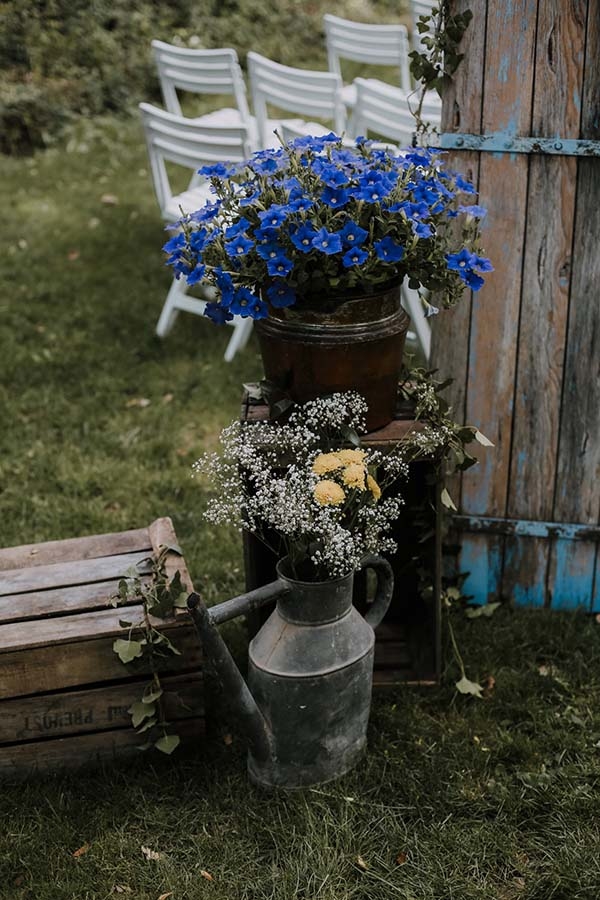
(167, 743)
(485, 442)
(180, 602)
(447, 500)
(148, 725)
(469, 687)
(151, 696)
(486, 609)
(124, 623)
(127, 651)
(140, 711)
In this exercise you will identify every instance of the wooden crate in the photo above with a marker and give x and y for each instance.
(64, 694)
(408, 641)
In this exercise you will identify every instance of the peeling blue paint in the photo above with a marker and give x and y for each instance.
(573, 582)
(577, 100)
(482, 558)
(504, 68)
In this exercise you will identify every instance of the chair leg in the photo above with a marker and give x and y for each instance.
(419, 322)
(241, 333)
(170, 309)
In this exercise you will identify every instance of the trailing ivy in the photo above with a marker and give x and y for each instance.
(159, 598)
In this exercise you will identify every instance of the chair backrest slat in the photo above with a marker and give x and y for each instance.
(171, 138)
(385, 45)
(200, 72)
(304, 91)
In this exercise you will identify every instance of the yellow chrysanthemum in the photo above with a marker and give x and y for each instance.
(354, 476)
(351, 456)
(328, 493)
(373, 487)
(326, 462)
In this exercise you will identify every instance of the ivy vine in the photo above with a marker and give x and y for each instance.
(159, 597)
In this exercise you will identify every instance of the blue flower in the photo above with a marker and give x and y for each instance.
(332, 176)
(388, 250)
(463, 185)
(274, 216)
(353, 235)
(217, 170)
(269, 250)
(303, 237)
(198, 240)
(281, 294)
(208, 212)
(354, 257)
(239, 227)
(373, 187)
(327, 241)
(177, 242)
(259, 309)
(465, 263)
(217, 313)
(421, 229)
(473, 280)
(462, 261)
(196, 274)
(335, 197)
(477, 212)
(483, 264)
(239, 246)
(225, 285)
(243, 302)
(280, 265)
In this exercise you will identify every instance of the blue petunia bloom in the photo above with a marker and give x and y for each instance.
(198, 240)
(327, 241)
(473, 280)
(208, 212)
(478, 212)
(239, 246)
(259, 309)
(266, 235)
(353, 235)
(177, 242)
(281, 294)
(332, 176)
(373, 188)
(243, 302)
(269, 250)
(274, 216)
(483, 264)
(197, 274)
(354, 257)
(249, 199)
(462, 261)
(388, 250)
(303, 237)
(219, 314)
(280, 265)
(421, 229)
(224, 284)
(217, 170)
(335, 197)
(463, 185)
(300, 204)
(239, 228)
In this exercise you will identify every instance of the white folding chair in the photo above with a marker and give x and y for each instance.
(383, 110)
(385, 45)
(203, 72)
(304, 91)
(191, 144)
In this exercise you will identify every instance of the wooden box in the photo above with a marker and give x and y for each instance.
(64, 693)
(408, 641)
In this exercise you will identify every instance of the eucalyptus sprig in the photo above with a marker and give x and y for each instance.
(159, 597)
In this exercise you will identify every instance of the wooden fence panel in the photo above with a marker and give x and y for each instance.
(531, 379)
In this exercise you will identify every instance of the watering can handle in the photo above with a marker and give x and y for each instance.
(385, 588)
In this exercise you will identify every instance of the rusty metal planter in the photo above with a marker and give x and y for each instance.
(355, 344)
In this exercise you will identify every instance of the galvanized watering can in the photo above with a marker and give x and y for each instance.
(306, 706)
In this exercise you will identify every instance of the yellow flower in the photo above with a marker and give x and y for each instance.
(354, 476)
(373, 487)
(326, 462)
(351, 456)
(328, 493)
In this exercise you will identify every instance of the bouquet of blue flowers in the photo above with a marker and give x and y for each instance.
(317, 219)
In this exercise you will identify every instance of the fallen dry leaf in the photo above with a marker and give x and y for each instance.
(72, 255)
(164, 896)
(490, 683)
(167, 398)
(138, 401)
(227, 739)
(109, 199)
(150, 854)
(121, 889)
(401, 858)
(81, 851)
(19, 880)
(361, 863)
(206, 875)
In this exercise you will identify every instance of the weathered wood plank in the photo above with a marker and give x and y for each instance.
(162, 534)
(60, 601)
(525, 567)
(16, 581)
(80, 627)
(73, 549)
(96, 709)
(86, 749)
(52, 668)
(571, 574)
(481, 556)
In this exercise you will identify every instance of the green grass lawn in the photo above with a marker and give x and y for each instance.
(458, 798)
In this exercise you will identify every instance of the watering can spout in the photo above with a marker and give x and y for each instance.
(206, 621)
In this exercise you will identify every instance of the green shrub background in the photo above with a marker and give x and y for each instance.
(63, 58)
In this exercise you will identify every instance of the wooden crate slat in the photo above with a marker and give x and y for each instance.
(86, 749)
(52, 668)
(72, 549)
(60, 601)
(15, 581)
(162, 534)
(66, 629)
(94, 709)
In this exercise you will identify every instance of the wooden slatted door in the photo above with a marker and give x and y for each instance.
(524, 352)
